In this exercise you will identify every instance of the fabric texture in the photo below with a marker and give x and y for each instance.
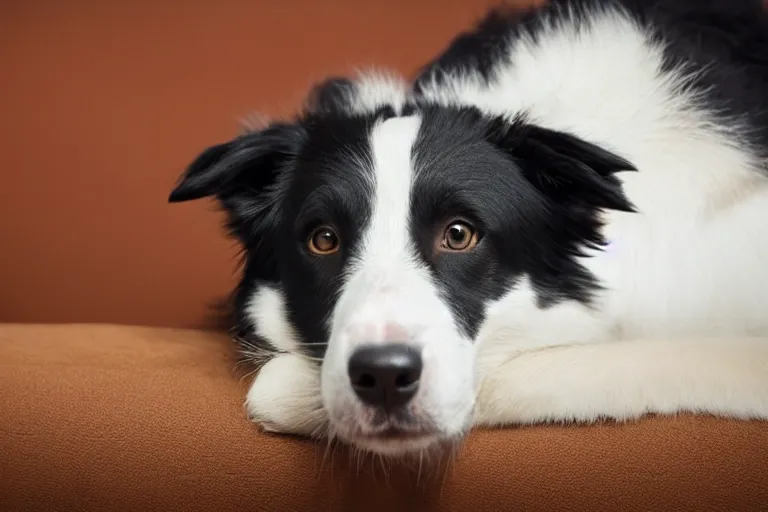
(113, 418)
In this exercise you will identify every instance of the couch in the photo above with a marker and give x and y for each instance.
(102, 417)
(117, 392)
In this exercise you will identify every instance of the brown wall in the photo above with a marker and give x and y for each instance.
(104, 102)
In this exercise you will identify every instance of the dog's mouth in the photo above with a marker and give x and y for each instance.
(399, 434)
(396, 442)
(394, 439)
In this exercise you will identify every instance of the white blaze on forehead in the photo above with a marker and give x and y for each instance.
(386, 266)
(388, 235)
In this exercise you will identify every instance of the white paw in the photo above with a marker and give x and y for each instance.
(285, 397)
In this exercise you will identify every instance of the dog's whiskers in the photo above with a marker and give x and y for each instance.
(385, 469)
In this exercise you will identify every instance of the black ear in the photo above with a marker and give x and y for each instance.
(567, 169)
(249, 162)
(203, 177)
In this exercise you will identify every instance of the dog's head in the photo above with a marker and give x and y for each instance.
(378, 228)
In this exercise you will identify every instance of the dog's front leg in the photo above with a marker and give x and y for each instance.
(624, 380)
(285, 397)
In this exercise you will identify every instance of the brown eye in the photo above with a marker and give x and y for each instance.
(459, 236)
(323, 241)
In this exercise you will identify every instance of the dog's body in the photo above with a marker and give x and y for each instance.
(565, 215)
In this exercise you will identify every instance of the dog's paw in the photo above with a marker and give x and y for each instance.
(285, 397)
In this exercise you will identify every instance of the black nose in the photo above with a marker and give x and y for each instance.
(385, 376)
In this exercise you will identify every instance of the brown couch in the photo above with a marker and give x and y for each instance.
(104, 417)
(103, 104)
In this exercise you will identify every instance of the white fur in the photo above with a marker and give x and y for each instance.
(679, 325)
(286, 397)
(266, 309)
(376, 88)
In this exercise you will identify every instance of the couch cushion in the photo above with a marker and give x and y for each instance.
(104, 417)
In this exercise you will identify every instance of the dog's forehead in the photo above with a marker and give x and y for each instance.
(342, 138)
(334, 139)
(413, 163)
(338, 150)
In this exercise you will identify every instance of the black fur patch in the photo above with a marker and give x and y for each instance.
(276, 186)
(533, 194)
(333, 95)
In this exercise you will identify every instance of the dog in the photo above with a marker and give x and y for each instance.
(562, 218)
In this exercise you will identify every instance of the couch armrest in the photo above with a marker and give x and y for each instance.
(103, 417)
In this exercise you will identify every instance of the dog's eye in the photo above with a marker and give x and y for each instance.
(459, 236)
(323, 241)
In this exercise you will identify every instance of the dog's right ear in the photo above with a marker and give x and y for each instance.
(248, 164)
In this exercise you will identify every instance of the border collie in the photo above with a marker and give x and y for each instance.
(563, 217)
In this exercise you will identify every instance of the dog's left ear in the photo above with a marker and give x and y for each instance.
(566, 169)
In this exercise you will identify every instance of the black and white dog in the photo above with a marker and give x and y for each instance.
(563, 218)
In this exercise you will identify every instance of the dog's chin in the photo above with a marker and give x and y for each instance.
(400, 434)
(397, 444)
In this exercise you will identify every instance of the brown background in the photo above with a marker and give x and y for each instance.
(103, 104)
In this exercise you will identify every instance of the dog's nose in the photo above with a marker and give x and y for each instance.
(386, 375)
